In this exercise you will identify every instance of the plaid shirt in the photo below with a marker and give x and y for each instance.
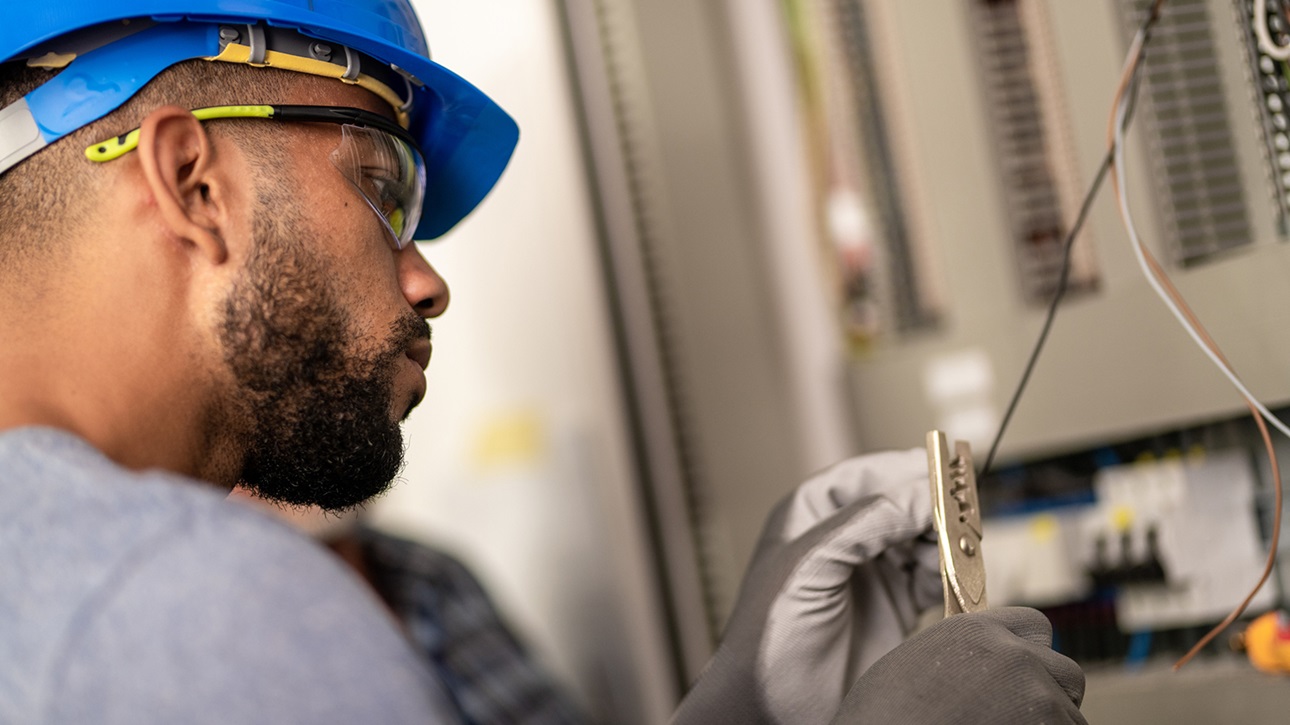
(452, 622)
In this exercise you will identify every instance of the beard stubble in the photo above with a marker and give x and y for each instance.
(318, 409)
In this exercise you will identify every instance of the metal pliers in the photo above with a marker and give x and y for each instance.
(956, 515)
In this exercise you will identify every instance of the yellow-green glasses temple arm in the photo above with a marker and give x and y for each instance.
(115, 148)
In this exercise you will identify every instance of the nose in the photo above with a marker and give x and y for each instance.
(422, 286)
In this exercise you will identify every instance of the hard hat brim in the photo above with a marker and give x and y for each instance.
(466, 138)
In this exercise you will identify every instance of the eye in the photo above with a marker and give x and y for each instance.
(380, 186)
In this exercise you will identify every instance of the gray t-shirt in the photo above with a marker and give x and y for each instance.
(146, 598)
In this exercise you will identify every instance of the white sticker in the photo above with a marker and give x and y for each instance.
(19, 135)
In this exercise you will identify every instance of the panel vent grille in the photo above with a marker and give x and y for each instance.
(1027, 123)
(909, 299)
(1198, 182)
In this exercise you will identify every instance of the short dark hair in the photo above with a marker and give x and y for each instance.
(58, 185)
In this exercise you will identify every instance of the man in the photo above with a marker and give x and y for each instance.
(207, 278)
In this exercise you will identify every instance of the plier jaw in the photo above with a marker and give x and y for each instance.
(956, 516)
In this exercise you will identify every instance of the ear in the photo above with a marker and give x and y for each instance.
(181, 171)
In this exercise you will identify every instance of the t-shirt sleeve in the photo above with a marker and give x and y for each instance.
(233, 619)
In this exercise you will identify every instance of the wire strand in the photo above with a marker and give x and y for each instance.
(1062, 282)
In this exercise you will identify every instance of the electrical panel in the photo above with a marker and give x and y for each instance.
(1006, 128)
(955, 139)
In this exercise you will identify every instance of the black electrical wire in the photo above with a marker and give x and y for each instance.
(1062, 283)
(1064, 280)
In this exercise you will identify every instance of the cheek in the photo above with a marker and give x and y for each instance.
(350, 235)
(353, 233)
(365, 268)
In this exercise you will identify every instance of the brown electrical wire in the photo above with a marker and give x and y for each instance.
(1272, 460)
(1159, 273)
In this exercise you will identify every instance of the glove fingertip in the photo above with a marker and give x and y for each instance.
(1028, 624)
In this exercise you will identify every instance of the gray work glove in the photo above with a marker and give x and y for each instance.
(842, 571)
(992, 667)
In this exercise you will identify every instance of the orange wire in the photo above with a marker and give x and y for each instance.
(1272, 459)
(1159, 273)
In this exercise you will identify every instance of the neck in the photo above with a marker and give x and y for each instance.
(138, 422)
(118, 375)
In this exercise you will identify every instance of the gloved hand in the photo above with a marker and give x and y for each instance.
(842, 570)
(991, 667)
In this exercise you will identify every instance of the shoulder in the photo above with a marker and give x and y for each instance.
(148, 598)
(230, 617)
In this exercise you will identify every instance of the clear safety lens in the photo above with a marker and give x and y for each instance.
(388, 173)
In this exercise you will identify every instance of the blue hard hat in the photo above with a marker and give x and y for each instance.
(119, 46)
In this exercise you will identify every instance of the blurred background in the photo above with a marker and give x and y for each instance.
(743, 239)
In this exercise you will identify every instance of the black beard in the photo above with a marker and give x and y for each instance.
(319, 418)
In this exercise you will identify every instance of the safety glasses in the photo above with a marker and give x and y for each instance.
(377, 156)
